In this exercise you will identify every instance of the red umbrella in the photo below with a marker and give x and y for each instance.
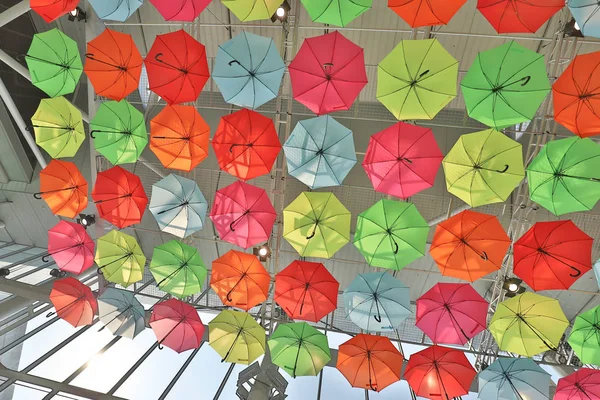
(246, 144)
(71, 247)
(518, 16)
(419, 13)
(177, 325)
(451, 313)
(177, 67)
(243, 214)
(583, 384)
(552, 255)
(180, 10)
(306, 291)
(50, 10)
(439, 373)
(120, 197)
(328, 73)
(402, 160)
(74, 302)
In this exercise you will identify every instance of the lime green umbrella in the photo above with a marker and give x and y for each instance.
(252, 10)
(585, 336)
(119, 132)
(299, 349)
(58, 127)
(236, 336)
(54, 63)
(120, 258)
(564, 176)
(336, 12)
(391, 234)
(417, 79)
(483, 167)
(316, 224)
(178, 269)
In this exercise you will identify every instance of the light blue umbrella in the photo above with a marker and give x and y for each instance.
(115, 10)
(377, 302)
(597, 272)
(121, 312)
(178, 205)
(514, 379)
(587, 16)
(320, 152)
(248, 70)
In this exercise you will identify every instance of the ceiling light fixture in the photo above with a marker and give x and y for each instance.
(513, 287)
(77, 14)
(262, 252)
(572, 29)
(281, 14)
(86, 220)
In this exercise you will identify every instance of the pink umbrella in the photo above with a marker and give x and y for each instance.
(177, 325)
(328, 73)
(243, 214)
(180, 10)
(71, 247)
(451, 313)
(581, 385)
(402, 160)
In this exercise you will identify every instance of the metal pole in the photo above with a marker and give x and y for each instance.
(14, 12)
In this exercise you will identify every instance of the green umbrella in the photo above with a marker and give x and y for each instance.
(585, 336)
(252, 10)
(299, 349)
(391, 234)
(336, 12)
(483, 167)
(178, 269)
(417, 79)
(54, 63)
(563, 177)
(505, 85)
(236, 336)
(120, 258)
(119, 132)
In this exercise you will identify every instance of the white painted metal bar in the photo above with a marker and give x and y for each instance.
(14, 12)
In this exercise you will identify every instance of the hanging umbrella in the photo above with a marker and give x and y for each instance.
(426, 83)
(248, 70)
(419, 13)
(178, 205)
(121, 312)
(73, 301)
(339, 13)
(520, 16)
(583, 384)
(115, 10)
(71, 247)
(585, 336)
(236, 337)
(328, 73)
(552, 255)
(483, 167)
(469, 245)
(451, 313)
(243, 214)
(51, 10)
(316, 224)
(240, 280)
(54, 63)
(587, 16)
(514, 379)
(120, 258)
(246, 144)
(120, 197)
(320, 152)
(180, 10)
(63, 188)
(377, 302)
(252, 10)
(528, 324)
(114, 74)
(58, 127)
(306, 291)
(177, 325)
(179, 137)
(563, 177)
(299, 349)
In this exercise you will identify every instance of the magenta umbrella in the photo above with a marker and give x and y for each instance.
(180, 10)
(584, 384)
(71, 247)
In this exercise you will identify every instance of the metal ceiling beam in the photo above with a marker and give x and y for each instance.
(14, 12)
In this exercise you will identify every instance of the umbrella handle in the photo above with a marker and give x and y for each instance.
(234, 61)
(50, 314)
(526, 79)
(397, 248)
(228, 297)
(101, 329)
(45, 258)
(231, 228)
(484, 255)
(371, 386)
(312, 234)
(577, 272)
(423, 74)
(504, 170)
(99, 270)
(160, 346)
(38, 195)
(377, 318)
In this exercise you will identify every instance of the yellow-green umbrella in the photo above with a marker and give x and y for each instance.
(58, 127)
(252, 10)
(120, 258)
(236, 336)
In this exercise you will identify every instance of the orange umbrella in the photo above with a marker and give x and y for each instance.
(63, 188)
(74, 302)
(179, 137)
(240, 280)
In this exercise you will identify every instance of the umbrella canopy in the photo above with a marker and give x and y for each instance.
(71, 248)
(121, 312)
(339, 13)
(120, 197)
(243, 214)
(505, 85)
(236, 337)
(320, 152)
(469, 245)
(177, 325)
(73, 301)
(377, 302)
(240, 280)
(520, 16)
(418, 13)
(58, 127)
(115, 10)
(391, 234)
(252, 10)
(483, 167)
(178, 205)
(120, 258)
(585, 336)
(248, 70)
(316, 224)
(552, 255)
(586, 15)
(299, 349)
(180, 10)
(246, 144)
(514, 379)
(369, 362)
(51, 10)
(54, 63)
(306, 291)
(63, 188)
(114, 74)
(451, 313)
(417, 79)
(328, 73)
(528, 324)
(583, 384)
(563, 177)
